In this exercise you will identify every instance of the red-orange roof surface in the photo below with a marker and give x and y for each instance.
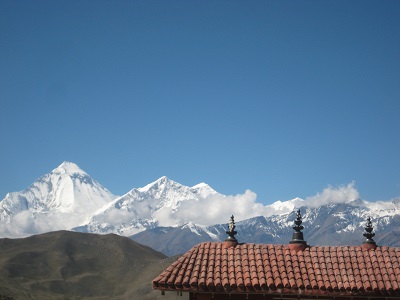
(209, 267)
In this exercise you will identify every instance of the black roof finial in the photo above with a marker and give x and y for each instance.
(298, 227)
(368, 233)
(298, 237)
(231, 230)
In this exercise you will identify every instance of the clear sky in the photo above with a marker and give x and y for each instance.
(280, 97)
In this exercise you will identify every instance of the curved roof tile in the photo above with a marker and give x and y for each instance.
(259, 268)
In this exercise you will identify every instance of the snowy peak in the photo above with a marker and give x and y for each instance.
(204, 190)
(196, 229)
(69, 168)
(164, 183)
(57, 200)
(165, 192)
(155, 204)
(284, 207)
(69, 171)
(160, 184)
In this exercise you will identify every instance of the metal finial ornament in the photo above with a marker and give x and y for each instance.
(298, 237)
(298, 227)
(231, 229)
(368, 232)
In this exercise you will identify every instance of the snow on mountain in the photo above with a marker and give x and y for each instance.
(178, 215)
(280, 207)
(59, 200)
(203, 190)
(165, 192)
(337, 223)
(68, 198)
(332, 224)
(147, 207)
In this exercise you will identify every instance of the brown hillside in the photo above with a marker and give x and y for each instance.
(71, 265)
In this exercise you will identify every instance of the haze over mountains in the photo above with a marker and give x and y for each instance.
(171, 217)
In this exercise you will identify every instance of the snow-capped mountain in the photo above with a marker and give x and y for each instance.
(68, 198)
(144, 208)
(61, 199)
(333, 224)
(171, 217)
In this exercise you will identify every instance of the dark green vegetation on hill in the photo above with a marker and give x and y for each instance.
(71, 265)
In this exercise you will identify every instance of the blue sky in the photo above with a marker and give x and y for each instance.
(280, 97)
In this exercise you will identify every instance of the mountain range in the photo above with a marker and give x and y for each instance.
(171, 217)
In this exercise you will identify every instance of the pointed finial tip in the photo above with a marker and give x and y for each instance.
(369, 234)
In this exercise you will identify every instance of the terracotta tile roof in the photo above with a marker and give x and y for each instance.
(260, 268)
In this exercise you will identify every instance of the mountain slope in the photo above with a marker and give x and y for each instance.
(173, 240)
(59, 200)
(68, 198)
(65, 265)
(144, 208)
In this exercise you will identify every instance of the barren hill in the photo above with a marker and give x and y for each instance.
(71, 265)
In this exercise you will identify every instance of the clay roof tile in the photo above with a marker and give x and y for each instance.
(209, 267)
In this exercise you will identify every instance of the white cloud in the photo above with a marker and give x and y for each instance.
(116, 216)
(25, 224)
(331, 195)
(214, 209)
(217, 209)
